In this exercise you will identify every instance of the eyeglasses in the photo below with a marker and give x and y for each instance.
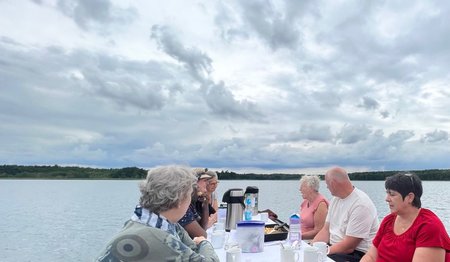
(412, 180)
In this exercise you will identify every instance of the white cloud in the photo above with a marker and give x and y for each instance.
(272, 85)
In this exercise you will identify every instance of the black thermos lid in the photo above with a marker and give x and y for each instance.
(251, 190)
(234, 195)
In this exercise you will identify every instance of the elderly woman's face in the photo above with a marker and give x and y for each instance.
(305, 190)
(212, 185)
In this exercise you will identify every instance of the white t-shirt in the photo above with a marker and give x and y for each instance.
(354, 216)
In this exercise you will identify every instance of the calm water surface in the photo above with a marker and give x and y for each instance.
(66, 220)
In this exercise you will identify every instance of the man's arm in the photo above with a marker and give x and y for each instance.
(346, 246)
(323, 235)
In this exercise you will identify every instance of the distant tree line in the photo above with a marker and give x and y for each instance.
(429, 174)
(229, 175)
(59, 172)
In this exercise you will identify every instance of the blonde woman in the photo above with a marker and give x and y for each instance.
(314, 208)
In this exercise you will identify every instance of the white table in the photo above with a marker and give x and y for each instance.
(271, 252)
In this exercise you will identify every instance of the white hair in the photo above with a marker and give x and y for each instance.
(165, 187)
(312, 181)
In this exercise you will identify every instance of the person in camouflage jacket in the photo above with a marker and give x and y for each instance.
(152, 233)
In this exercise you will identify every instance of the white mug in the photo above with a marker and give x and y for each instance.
(310, 254)
(289, 254)
(218, 238)
(233, 254)
(323, 250)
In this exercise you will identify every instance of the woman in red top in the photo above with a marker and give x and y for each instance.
(409, 233)
(314, 207)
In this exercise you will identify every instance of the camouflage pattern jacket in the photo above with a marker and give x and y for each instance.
(158, 241)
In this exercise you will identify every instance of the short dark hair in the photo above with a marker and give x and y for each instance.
(405, 183)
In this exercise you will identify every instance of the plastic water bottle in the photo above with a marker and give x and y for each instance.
(248, 208)
(295, 230)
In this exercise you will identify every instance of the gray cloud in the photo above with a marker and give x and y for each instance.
(87, 14)
(197, 62)
(350, 134)
(400, 137)
(435, 136)
(263, 19)
(220, 100)
(369, 103)
(312, 132)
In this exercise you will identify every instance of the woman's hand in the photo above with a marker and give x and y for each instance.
(197, 240)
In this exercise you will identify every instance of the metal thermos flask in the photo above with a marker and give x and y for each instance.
(235, 207)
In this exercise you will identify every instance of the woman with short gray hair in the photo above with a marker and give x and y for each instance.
(314, 208)
(162, 190)
(152, 233)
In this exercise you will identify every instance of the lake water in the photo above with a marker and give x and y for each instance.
(71, 220)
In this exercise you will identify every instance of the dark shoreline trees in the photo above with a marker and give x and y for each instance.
(59, 172)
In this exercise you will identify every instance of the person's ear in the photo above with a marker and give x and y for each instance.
(411, 197)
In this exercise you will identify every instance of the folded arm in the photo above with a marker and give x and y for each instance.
(371, 255)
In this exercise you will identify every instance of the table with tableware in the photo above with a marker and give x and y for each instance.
(228, 249)
(273, 251)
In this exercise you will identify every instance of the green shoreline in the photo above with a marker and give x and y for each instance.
(128, 173)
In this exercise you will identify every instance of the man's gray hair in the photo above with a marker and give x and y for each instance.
(311, 181)
(165, 187)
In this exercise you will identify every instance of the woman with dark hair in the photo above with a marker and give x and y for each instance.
(409, 233)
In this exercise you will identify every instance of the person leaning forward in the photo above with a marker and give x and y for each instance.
(152, 233)
(195, 221)
(351, 222)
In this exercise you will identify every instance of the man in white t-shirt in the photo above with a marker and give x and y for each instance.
(352, 220)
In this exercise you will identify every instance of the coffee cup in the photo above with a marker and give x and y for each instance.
(322, 249)
(289, 254)
(310, 254)
(233, 254)
(218, 238)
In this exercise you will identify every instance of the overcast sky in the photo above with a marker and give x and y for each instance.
(245, 86)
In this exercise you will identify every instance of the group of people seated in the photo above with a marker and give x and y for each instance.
(177, 205)
(349, 221)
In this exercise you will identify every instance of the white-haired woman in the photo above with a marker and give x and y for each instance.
(314, 208)
(152, 233)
